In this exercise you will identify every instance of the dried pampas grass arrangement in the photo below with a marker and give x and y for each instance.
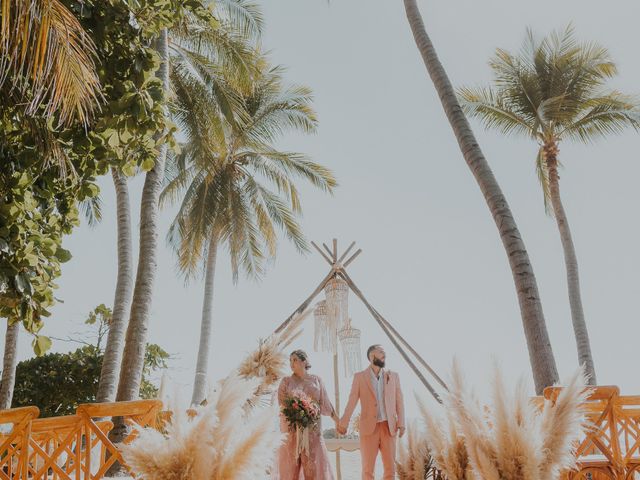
(414, 458)
(512, 439)
(447, 444)
(226, 438)
(270, 360)
(221, 442)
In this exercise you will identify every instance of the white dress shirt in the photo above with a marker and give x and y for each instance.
(378, 387)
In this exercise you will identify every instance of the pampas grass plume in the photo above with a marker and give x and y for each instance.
(221, 442)
(512, 439)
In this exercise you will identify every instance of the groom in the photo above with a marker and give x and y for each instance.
(381, 413)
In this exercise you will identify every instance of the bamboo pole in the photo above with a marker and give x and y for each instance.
(412, 350)
(303, 306)
(353, 257)
(336, 380)
(322, 253)
(346, 252)
(328, 250)
(395, 343)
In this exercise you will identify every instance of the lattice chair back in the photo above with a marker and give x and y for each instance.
(144, 413)
(627, 411)
(14, 442)
(600, 448)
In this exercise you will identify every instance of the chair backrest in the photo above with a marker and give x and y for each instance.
(601, 438)
(627, 412)
(55, 448)
(14, 444)
(144, 413)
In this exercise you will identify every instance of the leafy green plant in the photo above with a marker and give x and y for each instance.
(58, 382)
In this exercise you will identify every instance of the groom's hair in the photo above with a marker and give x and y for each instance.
(371, 349)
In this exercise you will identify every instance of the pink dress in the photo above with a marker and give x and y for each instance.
(314, 466)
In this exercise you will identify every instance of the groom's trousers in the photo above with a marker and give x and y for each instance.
(380, 440)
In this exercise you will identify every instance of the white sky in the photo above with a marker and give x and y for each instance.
(432, 263)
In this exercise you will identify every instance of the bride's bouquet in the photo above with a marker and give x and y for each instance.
(302, 414)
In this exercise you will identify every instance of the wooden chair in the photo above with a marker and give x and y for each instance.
(627, 411)
(144, 413)
(598, 453)
(59, 448)
(14, 445)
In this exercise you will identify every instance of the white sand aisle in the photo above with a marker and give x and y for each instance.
(350, 462)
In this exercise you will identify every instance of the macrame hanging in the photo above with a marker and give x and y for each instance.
(350, 340)
(337, 294)
(322, 335)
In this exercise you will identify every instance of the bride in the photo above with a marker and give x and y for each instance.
(314, 462)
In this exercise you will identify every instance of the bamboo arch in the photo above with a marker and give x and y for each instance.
(338, 269)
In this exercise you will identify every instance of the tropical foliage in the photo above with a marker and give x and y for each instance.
(47, 62)
(58, 382)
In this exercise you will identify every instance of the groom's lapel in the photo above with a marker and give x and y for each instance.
(368, 379)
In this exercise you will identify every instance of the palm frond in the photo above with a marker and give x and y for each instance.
(47, 60)
(225, 47)
(493, 110)
(279, 213)
(91, 208)
(604, 115)
(205, 83)
(242, 16)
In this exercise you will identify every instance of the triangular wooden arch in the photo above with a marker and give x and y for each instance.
(338, 269)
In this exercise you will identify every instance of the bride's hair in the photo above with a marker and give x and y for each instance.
(303, 357)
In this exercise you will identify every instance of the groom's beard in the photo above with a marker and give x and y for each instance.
(378, 363)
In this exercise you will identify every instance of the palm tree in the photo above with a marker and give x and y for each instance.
(110, 370)
(136, 335)
(554, 90)
(9, 363)
(208, 54)
(225, 171)
(47, 61)
(540, 353)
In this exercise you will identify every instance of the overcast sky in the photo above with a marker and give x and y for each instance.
(432, 260)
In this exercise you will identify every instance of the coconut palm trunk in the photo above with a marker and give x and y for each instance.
(202, 366)
(10, 361)
(136, 338)
(550, 151)
(540, 352)
(124, 291)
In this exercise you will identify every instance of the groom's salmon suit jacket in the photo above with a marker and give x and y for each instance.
(362, 389)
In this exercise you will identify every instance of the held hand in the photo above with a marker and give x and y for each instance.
(401, 431)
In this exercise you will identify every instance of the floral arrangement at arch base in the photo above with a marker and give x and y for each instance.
(512, 438)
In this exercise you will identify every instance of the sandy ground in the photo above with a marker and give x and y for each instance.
(350, 462)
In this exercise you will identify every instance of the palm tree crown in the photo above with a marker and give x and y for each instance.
(236, 184)
(551, 91)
